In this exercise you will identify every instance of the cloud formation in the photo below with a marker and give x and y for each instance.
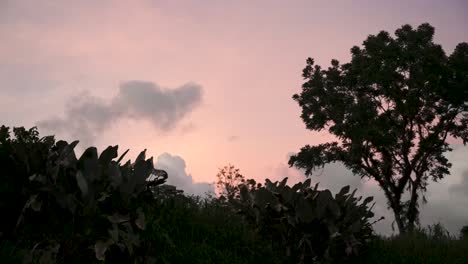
(462, 187)
(175, 167)
(87, 115)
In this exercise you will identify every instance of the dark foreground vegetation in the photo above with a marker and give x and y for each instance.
(57, 208)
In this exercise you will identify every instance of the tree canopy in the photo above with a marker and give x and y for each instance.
(392, 109)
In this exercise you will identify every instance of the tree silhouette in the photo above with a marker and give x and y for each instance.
(391, 110)
(228, 181)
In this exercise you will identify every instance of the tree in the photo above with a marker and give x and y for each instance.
(229, 179)
(22, 153)
(391, 110)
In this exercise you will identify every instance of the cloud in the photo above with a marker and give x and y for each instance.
(176, 169)
(86, 115)
(462, 187)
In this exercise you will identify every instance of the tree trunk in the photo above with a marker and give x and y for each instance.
(398, 219)
(413, 212)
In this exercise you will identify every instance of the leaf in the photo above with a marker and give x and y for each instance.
(270, 185)
(344, 190)
(114, 233)
(115, 175)
(316, 186)
(36, 205)
(73, 144)
(108, 154)
(31, 201)
(32, 177)
(129, 238)
(306, 183)
(368, 200)
(244, 192)
(49, 255)
(283, 183)
(118, 218)
(305, 211)
(333, 230)
(356, 226)
(67, 155)
(100, 249)
(90, 164)
(38, 177)
(103, 197)
(297, 186)
(140, 222)
(349, 249)
(122, 156)
(141, 156)
(82, 184)
(142, 171)
(334, 208)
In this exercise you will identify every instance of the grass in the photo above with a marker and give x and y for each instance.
(430, 245)
(191, 230)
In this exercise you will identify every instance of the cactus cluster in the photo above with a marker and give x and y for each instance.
(312, 225)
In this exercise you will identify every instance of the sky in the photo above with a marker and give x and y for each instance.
(203, 84)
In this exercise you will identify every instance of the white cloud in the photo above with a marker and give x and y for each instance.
(177, 175)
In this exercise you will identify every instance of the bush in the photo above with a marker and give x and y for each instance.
(464, 232)
(67, 209)
(60, 209)
(310, 224)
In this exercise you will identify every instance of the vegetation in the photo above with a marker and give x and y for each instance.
(60, 209)
(391, 110)
(229, 179)
(311, 224)
(431, 245)
(464, 232)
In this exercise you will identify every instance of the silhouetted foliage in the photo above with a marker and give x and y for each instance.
(64, 206)
(464, 232)
(391, 109)
(228, 180)
(60, 209)
(430, 245)
(310, 225)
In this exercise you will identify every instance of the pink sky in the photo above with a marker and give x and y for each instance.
(247, 56)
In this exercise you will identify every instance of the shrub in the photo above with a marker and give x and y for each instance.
(60, 208)
(310, 224)
(464, 232)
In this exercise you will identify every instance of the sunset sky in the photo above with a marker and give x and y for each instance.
(202, 84)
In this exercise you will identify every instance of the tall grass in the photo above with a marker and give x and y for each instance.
(425, 245)
(195, 230)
